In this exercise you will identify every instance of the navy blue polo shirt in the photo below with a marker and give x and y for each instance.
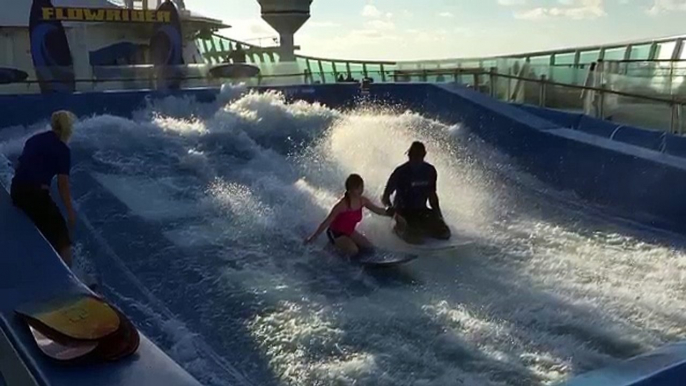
(43, 157)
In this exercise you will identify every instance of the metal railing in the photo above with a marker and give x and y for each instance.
(627, 108)
(652, 112)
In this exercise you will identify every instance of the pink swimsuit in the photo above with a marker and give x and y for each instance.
(344, 224)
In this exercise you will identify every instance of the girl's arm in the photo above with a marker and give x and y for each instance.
(378, 210)
(327, 221)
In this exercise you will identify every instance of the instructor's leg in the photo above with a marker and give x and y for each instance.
(45, 215)
(436, 227)
(407, 230)
(54, 228)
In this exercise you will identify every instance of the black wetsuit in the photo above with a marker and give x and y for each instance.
(413, 184)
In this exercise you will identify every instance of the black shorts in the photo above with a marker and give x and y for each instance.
(42, 210)
(425, 222)
(333, 235)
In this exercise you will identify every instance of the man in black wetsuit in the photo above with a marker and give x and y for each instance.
(414, 182)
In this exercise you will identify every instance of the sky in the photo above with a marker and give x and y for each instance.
(441, 29)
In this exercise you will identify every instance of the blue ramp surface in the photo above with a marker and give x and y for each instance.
(30, 270)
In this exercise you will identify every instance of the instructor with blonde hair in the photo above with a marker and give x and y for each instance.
(46, 155)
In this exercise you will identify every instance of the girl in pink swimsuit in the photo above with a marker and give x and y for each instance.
(345, 215)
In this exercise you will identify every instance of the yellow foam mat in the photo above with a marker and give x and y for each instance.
(79, 318)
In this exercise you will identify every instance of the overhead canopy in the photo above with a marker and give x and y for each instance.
(199, 19)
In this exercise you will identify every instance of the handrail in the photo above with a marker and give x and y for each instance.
(352, 61)
(306, 78)
(596, 89)
(391, 73)
(541, 81)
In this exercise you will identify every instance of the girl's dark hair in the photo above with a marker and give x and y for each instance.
(353, 181)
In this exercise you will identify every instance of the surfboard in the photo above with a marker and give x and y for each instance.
(74, 316)
(430, 244)
(234, 71)
(382, 258)
(443, 245)
(80, 328)
(122, 343)
(12, 75)
(64, 352)
(50, 52)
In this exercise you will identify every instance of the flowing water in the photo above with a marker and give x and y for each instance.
(193, 215)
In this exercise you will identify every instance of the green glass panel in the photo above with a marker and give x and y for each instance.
(374, 72)
(563, 75)
(567, 58)
(640, 52)
(215, 42)
(588, 57)
(302, 65)
(357, 71)
(538, 65)
(487, 64)
(615, 54)
(341, 68)
(329, 77)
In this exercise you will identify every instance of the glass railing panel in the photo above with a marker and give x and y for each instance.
(641, 52)
(329, 76)
(564, 74)
(665, 50)
(588, 57)
(637, 112)
(374, 72)
(356, 71)
(565, 59)
(302, 65)
(563, 98)
(615, 54)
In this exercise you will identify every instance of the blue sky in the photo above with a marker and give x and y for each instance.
(423, 29)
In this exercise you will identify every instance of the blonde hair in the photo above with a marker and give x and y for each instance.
(62, 123)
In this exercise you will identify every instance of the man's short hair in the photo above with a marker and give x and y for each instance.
(417, 150)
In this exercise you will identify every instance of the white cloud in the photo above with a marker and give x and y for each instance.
(660, 6)
(446, 14)
(571, 9)
(323, 24)
(370, 11)
(380, 25)
(251, 28)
